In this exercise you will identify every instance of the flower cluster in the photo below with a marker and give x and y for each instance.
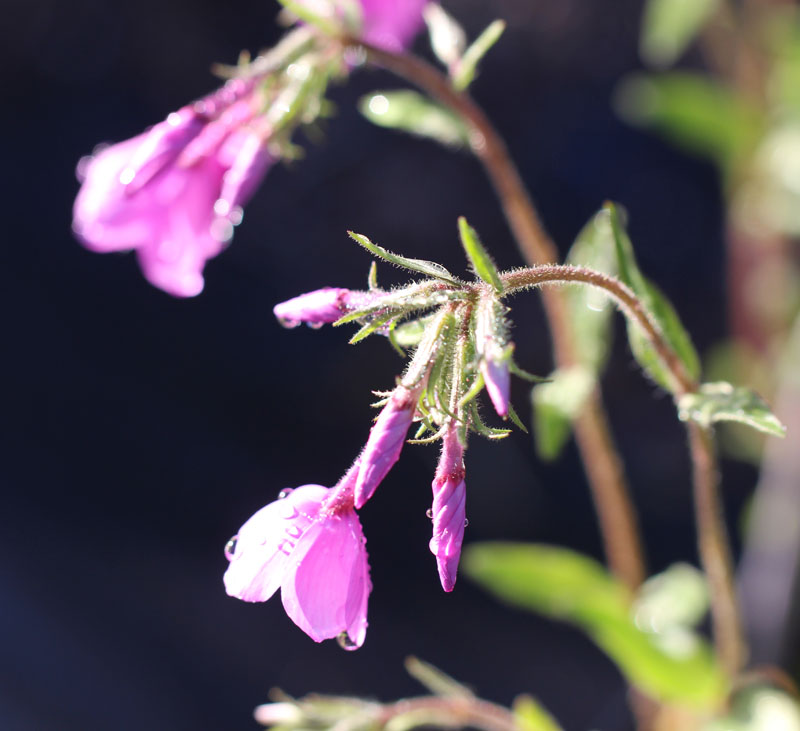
(310, 543)
(174, 193)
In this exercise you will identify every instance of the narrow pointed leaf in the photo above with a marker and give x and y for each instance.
(409, 111)
(659, 308)
(514, 416)
(723, 402)
(447, 37)
(669, 26)
(372, 327)
(567, 586)
(429, 268)
(435, 680)
(482, 263)
(467, 67)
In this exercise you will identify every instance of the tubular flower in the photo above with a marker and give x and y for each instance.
(310, 544)
(320, 307)
(385, 441)
(449, 500)
(175, 192)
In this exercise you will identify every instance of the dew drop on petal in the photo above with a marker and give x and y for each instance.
(466, 522)
(429, 513)
(315, 325)
(230, 548)
(344, 641)
(285, 493)
(286, 322)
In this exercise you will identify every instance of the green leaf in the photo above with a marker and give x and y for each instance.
(429, 268)
(668, 27)
(481, 262)
(409, 111)
(565, 585)
(301, 11)
(435, 680)
(446, 34)
(659, 308)
(555, 404)
(721, 401)
(530, 715)
(694, 112)
(674, 599)
(371, 327)
(410, 333)
(467, 67)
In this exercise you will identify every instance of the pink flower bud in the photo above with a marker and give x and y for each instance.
(449, 499)
(319, 307)
(318, 558)
(385, 441)
(391, 24)
(497, 380)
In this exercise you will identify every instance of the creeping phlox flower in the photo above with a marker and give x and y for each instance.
(309, 543)
(175, 192)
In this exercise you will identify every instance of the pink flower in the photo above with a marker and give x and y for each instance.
(449, 499)
(391, 24)
(385, 441)
(174, 193)
(311, 545)
(320, 307)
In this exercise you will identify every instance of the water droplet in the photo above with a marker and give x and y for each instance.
(429, 513)
(285, 493)
(286, 547)
(127, 175)
(345, 641)
(230, 548)
(315, 325)
(294, 531)
(288, 323)
(466, 522)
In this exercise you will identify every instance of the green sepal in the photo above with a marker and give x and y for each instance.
(487, 431)
(428, 268)
(659, 308)
(525, 375)
(722, 401)
(408, 334)
(467, 66)
(514, 416)
(669, 26)
(371, 327)
(555, 404)
(482, 263)
(302, 12)
(435, 680)
(410, 111)
(568, 586)
(473, 391)
(393, 340)
(372, 277)
(530, 715)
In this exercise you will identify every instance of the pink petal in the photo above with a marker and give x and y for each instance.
(266, 541)
(391, 24)
(498, 383)
(326, 594)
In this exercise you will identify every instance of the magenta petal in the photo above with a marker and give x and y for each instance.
(391, 24)
(326, 594)
(316, 308)
(266, 541)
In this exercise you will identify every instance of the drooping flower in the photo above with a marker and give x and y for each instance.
(449, 508)
(320, 307)
(498, 383)
(386, 440)
(311, 545)
(174, 193)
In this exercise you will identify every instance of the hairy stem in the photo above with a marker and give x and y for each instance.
(712, 537)
(601, 461)
(454, 712)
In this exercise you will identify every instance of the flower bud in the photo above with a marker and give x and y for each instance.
(320, 307)
(491, 343)
(449, 502)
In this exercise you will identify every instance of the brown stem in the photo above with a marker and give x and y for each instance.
(714, 550)
(599, 455)
(456, 711)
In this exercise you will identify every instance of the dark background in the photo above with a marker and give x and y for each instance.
(139, 431)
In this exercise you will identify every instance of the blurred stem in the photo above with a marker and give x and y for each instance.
(712, 536)
(603, 466)
(453, 711)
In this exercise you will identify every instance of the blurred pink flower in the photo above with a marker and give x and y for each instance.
(174, 193)
(310, 544)
(448, 512)
(391, 24)
(385, 442)
(321, 306)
